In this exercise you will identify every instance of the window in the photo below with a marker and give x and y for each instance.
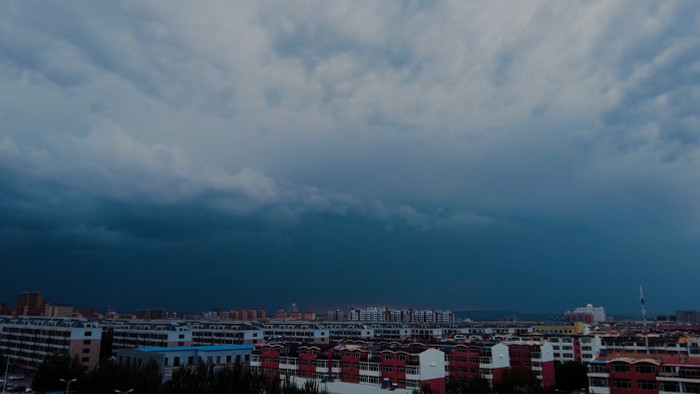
(388, 368)
(621, 383)
(620, 367)
(673, 387)
(87, 342)
(646, 384)
(401, 357)
(586, 348)
(86, 350)
(645, 368)
(88, 333)
(190, 360)
(176, 361)
(388, 356)
(84, 359)
(598, 382)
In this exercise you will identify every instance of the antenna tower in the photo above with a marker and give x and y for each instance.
(644, 317)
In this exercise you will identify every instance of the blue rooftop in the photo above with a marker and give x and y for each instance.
(201, 348)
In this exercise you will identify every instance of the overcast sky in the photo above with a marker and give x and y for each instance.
(534, 156)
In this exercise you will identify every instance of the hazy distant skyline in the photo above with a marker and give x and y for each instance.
(532, 156)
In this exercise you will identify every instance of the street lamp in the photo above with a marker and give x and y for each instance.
(68, 382)
(123, 392)
(7, 365)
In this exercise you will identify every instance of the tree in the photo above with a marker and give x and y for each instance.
(475, 385)
(56, 367)
(514, 381)
(571, 375)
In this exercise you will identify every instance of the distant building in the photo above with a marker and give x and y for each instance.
(252, 314)
(151, 314)
(30, 304)
(688, 316)
(383, 314)
(60, 310)
(294, 313)
(309, 316)
(587, 314)
(336, 315)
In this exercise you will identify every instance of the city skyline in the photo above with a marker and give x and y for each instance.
(484, 156)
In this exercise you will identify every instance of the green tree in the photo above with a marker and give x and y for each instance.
(514, 381)
(571, 375)
(56, 367)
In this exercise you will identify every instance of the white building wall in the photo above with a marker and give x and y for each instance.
(500, 358)
(432, 364)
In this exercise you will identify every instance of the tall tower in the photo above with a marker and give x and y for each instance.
(644, 317)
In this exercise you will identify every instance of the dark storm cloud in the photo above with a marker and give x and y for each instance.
(479, 149)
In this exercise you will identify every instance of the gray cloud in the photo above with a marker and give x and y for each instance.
(162, 125)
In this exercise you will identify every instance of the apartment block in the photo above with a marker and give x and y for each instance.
(129, 333)
(641, 373)
(367, 365)
(27, 341)
(206, 333)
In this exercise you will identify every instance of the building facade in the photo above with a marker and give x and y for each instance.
(642, 373)
(27, 341)
(171, 359)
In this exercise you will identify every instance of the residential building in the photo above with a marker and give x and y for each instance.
(225, 333)
(132, 333)
(532, 355)
(371, 366)
(644, 373)
(27, 341)
(465, 361)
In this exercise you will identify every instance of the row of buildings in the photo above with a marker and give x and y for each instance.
(395, 355)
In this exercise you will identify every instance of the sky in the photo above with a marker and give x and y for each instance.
(532, 156)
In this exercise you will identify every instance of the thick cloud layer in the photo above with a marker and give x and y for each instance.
(490, 154)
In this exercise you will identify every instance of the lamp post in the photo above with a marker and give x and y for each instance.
(123, 392)
(7, 365)
(68, 382)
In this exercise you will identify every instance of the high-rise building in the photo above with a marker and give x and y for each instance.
(30, 303)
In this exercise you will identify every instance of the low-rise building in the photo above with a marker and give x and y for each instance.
(368, 365)
(170, 359)
(644, 373)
